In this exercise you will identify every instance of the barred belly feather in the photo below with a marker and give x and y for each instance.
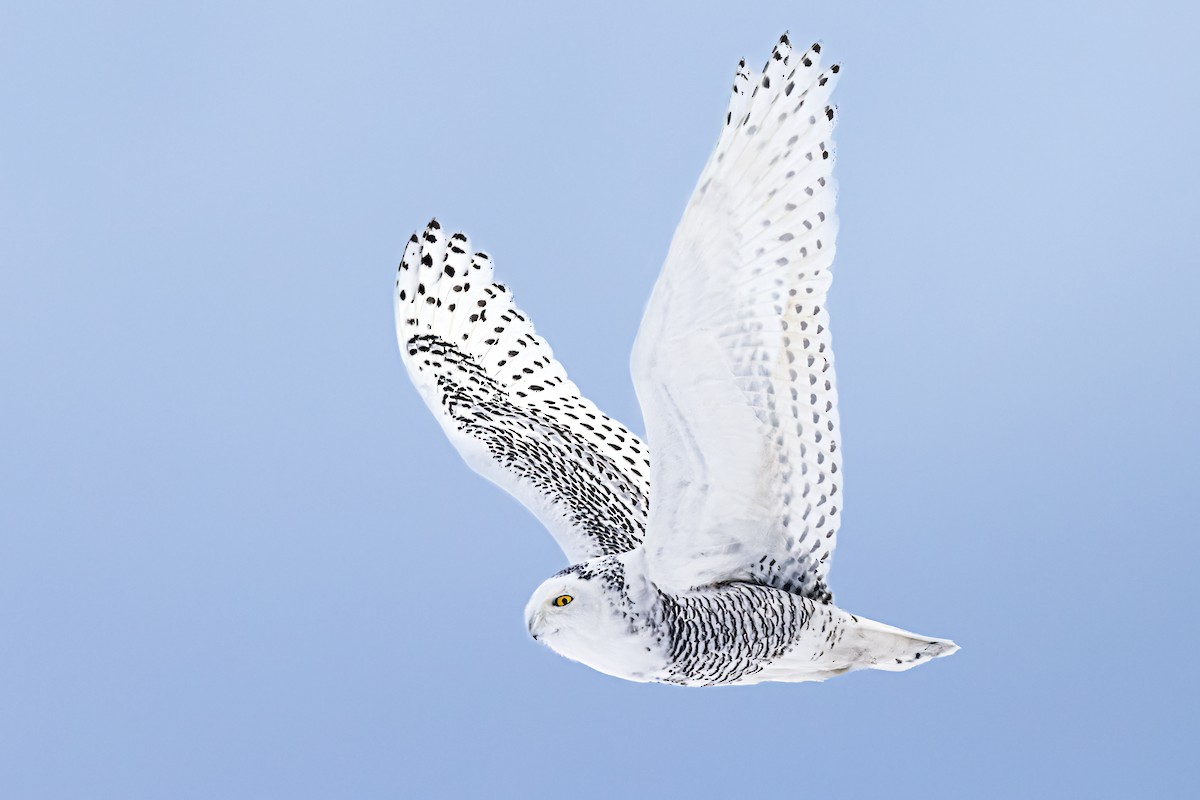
(727, 634)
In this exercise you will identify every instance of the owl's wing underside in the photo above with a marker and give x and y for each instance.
(732, 363)
(507, 405)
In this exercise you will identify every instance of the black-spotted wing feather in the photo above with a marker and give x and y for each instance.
(733, 363)
(507, 405)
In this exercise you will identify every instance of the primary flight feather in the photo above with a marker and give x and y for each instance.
(719, 577)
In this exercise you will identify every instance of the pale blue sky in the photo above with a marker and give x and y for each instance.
(239, 560)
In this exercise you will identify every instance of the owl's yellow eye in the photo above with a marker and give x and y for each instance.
(562, 600)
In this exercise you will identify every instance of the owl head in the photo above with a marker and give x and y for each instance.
(587, 613)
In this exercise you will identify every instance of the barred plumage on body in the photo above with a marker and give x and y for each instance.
(727, 635)
(722, 578)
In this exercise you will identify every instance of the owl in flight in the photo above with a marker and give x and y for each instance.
(719, 576)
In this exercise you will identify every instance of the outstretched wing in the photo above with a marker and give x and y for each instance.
(507, 404)
(732, 364)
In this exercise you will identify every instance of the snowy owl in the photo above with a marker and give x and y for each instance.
(719, 577)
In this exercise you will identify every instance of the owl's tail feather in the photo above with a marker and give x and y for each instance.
(884, 647)
(836, 642)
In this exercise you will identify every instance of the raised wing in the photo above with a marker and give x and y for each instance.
(507, 404)
(732, 363)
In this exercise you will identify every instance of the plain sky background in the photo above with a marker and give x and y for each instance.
(238, 558)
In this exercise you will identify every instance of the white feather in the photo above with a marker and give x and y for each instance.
(732, 363)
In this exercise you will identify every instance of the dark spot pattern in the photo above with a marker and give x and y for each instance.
(728, 633)
(497, 383)
(768, 304)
